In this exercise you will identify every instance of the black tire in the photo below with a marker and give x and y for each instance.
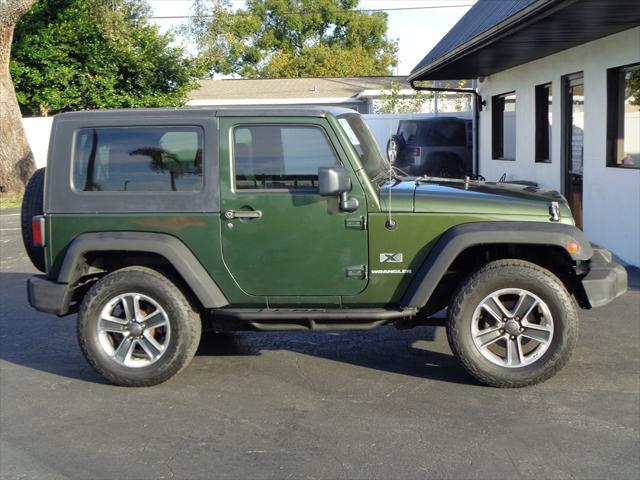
(395, 145)
(184, 321)
(513, 274)
(32, 205)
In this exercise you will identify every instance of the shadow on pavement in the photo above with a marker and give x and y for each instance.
(404, 352)
(46, 343)
(634, 278)
(36, 340)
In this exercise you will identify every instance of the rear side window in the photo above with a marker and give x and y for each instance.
(408, 131)
(138, 159)
(443, 134)
(280, 156)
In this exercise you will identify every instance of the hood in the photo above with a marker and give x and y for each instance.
(458, 196)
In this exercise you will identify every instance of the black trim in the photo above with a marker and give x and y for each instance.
(290, 319)
(605, 281)
(457, 239)
(47, 296)
(176, 253)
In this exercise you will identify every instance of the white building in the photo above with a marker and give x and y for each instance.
(559, 98)
(364, 94)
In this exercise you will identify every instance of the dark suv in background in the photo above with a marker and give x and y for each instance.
(436, 147)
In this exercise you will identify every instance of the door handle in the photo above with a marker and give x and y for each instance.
(231, 214)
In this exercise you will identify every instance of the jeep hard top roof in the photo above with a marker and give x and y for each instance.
(211, 111)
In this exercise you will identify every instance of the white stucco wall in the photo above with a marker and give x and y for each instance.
(611, 196)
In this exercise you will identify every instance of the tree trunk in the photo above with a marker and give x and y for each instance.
(16, 158)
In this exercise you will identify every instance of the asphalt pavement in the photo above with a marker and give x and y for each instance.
(385, 404)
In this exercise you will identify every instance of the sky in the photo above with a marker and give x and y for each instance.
(417, 31)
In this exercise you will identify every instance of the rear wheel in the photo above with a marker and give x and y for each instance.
(512, 324)
(32, 205)
(136, 328)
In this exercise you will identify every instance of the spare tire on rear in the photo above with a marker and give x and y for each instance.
(32, 205)
(395, 145)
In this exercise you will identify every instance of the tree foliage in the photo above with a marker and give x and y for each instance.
(292, 38)
(633, 87)
(393, 101)
(84, 54)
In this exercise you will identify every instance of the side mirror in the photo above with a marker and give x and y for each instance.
(335, 181)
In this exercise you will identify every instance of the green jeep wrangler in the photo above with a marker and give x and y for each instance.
(154, 224)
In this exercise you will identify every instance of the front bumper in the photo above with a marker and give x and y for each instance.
(47, 296)
(606, 280)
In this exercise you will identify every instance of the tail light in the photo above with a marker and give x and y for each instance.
(37, 231)
(415, 152)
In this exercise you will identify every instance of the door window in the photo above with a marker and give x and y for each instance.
(284, 157)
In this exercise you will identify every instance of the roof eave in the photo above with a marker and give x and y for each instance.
(506, 27)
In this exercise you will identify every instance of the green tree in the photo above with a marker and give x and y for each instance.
(84, 54)
(392, 101)
(292, 38)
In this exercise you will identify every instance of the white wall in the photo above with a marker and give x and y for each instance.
(38, 130)
(611, 196)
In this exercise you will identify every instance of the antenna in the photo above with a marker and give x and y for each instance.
(390, 224)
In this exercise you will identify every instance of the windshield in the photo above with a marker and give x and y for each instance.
(363, 143)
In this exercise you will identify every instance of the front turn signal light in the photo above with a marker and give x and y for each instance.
(573, 247)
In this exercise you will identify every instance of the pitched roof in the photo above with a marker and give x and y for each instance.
(483, 16)
(270, 88)
(495, 35)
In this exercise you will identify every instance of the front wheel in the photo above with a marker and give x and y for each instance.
(512, 324)
(136, 328)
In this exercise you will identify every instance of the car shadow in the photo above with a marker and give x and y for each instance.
(48, 344)
(405, 352)
(35, 340)
(633, 278)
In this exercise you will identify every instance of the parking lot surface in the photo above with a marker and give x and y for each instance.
(378, 405)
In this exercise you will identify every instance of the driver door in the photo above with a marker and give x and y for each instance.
(279, 236)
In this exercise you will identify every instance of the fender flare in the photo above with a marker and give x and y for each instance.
(457, 239)
(167, 246)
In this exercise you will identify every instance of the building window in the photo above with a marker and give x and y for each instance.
(283, 157)
(623, 117)
(543, 123)
(503, 126)
(138, 159)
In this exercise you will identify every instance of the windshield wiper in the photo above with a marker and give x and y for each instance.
(391, 172)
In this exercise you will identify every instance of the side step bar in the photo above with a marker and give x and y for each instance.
(290, 319)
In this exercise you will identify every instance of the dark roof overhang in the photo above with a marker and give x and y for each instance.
(542, 28)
